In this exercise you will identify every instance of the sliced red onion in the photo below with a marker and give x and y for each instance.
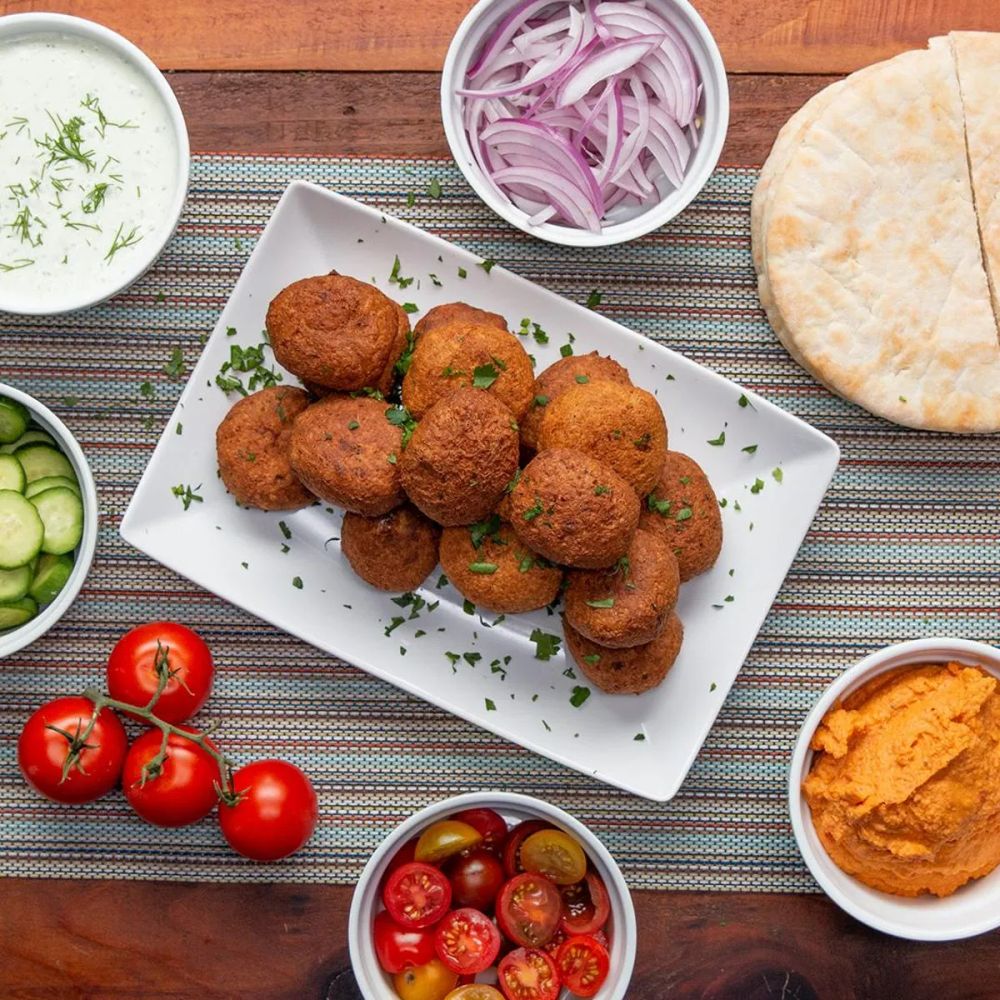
(577, 107)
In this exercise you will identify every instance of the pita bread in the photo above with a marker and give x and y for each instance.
(869, 244)
(977, 57)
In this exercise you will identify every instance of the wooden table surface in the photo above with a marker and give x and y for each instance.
(361, 76)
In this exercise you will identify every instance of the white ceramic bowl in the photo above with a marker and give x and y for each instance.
(714, 109)
(146, 252)
(973, 909)
(21, 636)
(376, 985)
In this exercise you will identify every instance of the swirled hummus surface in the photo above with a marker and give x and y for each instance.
(905, 783)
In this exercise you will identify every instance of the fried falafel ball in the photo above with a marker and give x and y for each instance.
(620, 425)
(628, 604)
(460, 354)
(573, 509)
(488, 564)
(451, 312)
(346, 451)
(461, 458)
(627, 671)
(577, 369)
(333, 330)
(683, 509)
(396, 551)
(253, 443)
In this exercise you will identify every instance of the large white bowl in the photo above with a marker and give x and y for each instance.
(146, 252)
(376, 985)
(714, 109)
(973, 909)
(18, 638)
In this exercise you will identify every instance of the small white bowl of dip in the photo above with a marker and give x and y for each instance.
(94, 153)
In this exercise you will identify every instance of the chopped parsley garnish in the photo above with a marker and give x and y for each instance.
(778, 475)
(750, 449)
(483, 376)
(472, 658)
(639, 737)
(600, 490)
(579, 696)
(490, 706)
(146, 390)
(547, 645)
(249, 360)
(604, 602)
(488, 264)
(285, 530)
(658, 506)
(757, 486)
(391, 458)
(684, 514)
(744, 402)
(410, 307)
(532, 512)
(175, 366)
(512, 485)
(353, 425)
(394, 624)
(399, 416)
(187, 495)
(442, 582)
(713, 686)
(297, 582)
(434, 188)
(435, 280)
(484, 529)
(592, 658)
(468, 607)
(583, 379)
(720, 440)
(541, 400)
(566, 350)
(594, 299)
(395, 278)
(462, 273)
(483, 568)
(411, 199)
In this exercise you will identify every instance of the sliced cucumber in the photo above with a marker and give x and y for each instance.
(40, 460)
(61, 511)
(11, 474)
(17, 612)
(50, 482)
(21, 530)
(33, 435)
(15, 583)
(50, 577)
(14, 419)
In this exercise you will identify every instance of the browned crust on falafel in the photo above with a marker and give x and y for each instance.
(396, 551)
(451, 312)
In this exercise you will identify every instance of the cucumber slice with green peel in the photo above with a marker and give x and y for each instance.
(41, 460)
(16, 613)
(50, 577)
(12, 475)
(15, 583)
(21, 530)
(61, 511)
(34, 435)
(14, 420)
(50, 482)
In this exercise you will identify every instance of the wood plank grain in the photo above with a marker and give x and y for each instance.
(782, 36)
(271, 942)
(396, 114)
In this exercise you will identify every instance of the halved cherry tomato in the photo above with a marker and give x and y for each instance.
(467, 941)
(512, 845)
(586, 906)
(443, 839)
(403, 856)
(397, 948)
(475, 991)
(528, 974)
(475, 878)
(417, 895)
(529, 909)
(491, 825)
(583, 965)
(554, 854)
(433, 981)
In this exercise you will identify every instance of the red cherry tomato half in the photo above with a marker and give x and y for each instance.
(50, 736)
(528, 974)
(586, 906)
(179, 791)
(397, 948)
(475, 878)
(583, 965)
(467, 941)
(276, 813)
(138, 657)
(417, 895)
(403, 856)
(491, 825)
(529, 909)
(512, 845)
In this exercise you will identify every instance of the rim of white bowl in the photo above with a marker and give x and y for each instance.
(13, 25)
(709, 147)
(24, 635)
(853, 900)
(370, 977)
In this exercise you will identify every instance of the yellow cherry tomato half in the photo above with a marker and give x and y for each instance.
(441, 840)
(554, 854)
(475, 991)
(433, 981)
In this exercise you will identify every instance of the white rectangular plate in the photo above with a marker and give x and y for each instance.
(644, 744)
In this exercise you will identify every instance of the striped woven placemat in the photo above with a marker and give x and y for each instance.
(907, 544)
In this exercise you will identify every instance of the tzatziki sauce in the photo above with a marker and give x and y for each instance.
(88, 171)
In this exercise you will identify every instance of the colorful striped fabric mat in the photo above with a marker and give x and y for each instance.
(906, 545)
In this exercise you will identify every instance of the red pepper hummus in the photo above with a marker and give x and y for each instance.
(904, 787)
